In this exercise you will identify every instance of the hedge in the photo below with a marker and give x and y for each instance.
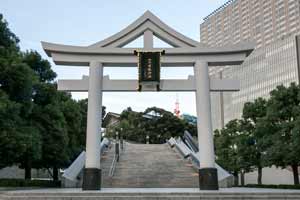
(281, 186)
(28, 183)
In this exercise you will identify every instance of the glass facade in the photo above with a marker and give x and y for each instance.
(273, 25)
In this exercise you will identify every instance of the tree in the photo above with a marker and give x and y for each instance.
(17, 80)
(52, 125)
(156, 123)
(227, 147)
(75, 114)
(16, 85)
(234, 146)
(8, 41)
(9, 133)
(39, 126)
(283, 116)
(41, 67)
(253, 114)
(72, 115)
(49, 119)
(32, 144)
(20, 143)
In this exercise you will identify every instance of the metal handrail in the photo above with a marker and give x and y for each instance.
(190, 141)
(113, 166)
(115, 160)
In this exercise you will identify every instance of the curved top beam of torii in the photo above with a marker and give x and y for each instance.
(111, 51)
(153, 23)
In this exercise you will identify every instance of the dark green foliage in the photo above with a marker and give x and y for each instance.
(293, 187)
(39, 126)
(8, 41)
(254, 114)
(9, 133)
(31, 140)
(232, 147)
(269, 133)
(52, 125)
(41, 67)
(17, 81)
(75, 118)
(29, 183)
(256, 110)
(229, 144)
(283, 115)
(157, 123)
(20, 142)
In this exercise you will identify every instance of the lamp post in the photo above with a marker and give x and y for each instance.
(147, 139)
(121, 138)
(117, 136)
(117, 146)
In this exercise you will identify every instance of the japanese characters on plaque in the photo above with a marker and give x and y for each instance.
(149, 68)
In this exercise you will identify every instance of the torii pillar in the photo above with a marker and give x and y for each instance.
(92, 170)
(208, 175)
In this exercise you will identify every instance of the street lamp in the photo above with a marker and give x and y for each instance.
(158, 138)
(117, 146)
(117, 135)
(147, 139)
(121, 137)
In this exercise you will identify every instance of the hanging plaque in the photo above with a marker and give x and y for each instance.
(149, 69)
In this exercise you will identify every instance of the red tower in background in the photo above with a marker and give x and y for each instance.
(176, 110)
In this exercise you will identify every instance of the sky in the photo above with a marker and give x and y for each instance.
(78, 22)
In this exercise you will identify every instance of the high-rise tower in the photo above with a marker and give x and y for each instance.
(274, 26)
(176, 110)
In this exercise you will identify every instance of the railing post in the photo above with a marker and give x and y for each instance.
(121, 141)
(117, 151)
(147, 139)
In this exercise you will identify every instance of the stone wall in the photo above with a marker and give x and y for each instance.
(271, 175)
(15, 172)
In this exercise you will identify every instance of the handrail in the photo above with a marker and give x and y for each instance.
(190, 141)
(182, 148)
(115, 160)
(195, 156)
(72, 172)
(113, 166)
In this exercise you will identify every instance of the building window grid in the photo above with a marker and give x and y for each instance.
(280, 68)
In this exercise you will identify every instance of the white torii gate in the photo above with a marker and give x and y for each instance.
(111, 53)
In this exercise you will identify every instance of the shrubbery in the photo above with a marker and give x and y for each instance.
(28, 183)
(281, 186)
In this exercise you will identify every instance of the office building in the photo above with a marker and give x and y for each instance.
(273, 25)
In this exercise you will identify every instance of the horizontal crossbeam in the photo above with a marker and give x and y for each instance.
(111, 85)
(131, 60)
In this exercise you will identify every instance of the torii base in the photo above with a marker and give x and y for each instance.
(208, 179)
(91, 179)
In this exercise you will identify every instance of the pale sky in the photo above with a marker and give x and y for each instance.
(83, 22)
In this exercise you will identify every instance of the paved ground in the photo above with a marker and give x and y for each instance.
(153, 190)
(151, 194)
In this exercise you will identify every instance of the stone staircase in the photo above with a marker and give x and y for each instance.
(148, 166)
(157, 167)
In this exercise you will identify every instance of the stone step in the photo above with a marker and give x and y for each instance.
(151, 194)
(105, 166)
(153, 166)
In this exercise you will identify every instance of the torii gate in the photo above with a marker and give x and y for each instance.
(185, 52)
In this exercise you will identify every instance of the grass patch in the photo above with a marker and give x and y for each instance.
(296, 187)
(28, 183)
